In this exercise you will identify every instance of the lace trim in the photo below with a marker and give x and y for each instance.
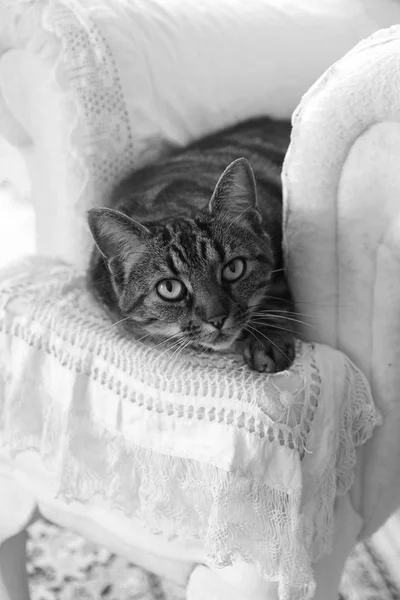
(99, 146)
(100, 142)
(358, 419)
(235, 514)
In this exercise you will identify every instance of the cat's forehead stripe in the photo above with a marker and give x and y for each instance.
(171, 265)
(202, 244)
(220, 250)
(175, 249)
(199, 251)
(166, 235)
(203, 227)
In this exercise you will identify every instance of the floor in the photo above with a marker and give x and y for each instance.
(65, 566)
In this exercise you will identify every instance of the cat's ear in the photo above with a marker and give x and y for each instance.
(236, 190)
(116, 234)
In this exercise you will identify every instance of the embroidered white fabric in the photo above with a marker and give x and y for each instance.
(195, 446)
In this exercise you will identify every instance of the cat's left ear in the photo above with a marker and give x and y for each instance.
(116, 235)
(236, 190)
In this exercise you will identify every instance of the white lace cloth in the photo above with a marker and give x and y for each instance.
(199, 447)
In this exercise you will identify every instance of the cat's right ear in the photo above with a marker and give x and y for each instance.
(235, 192)
(116, 234)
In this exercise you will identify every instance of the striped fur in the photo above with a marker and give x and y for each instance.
(188, 225)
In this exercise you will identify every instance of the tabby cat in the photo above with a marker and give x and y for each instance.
(191, 249)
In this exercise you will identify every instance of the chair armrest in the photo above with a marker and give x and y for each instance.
(342, 239)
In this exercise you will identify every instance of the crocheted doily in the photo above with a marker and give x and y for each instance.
(195, 446)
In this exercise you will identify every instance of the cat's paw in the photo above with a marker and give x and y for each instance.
(270, 355)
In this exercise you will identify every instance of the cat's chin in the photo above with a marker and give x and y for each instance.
(219, 344)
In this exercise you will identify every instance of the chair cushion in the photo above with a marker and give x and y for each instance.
(197, 447)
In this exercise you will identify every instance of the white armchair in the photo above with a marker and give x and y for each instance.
(90, 89)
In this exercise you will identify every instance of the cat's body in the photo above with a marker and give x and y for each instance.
(199, 270)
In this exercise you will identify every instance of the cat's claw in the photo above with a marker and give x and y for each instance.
(269, 356)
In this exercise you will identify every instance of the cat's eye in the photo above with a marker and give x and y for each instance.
(171, 289)
(234, 269)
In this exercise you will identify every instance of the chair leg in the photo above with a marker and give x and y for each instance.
(13, 576)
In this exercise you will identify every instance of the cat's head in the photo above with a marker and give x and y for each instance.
(197, 279)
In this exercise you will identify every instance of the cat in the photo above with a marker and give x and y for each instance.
(189, 248)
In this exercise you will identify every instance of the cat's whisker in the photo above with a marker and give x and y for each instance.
(280, 270)
(265, 324)
(283, 317)
(271, 342)
(181, 348)
(204, 351)
(181, 344)
(294, 313)
(246, 328)
(146, 335)
(251, 330)
(175, 343)
(165, 341)
(321, 304)
(305, 302)
(298, 314)
(168, 339)
(172, 338)
(133, 340)
(117, 323)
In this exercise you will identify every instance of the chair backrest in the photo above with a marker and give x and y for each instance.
(102, 87)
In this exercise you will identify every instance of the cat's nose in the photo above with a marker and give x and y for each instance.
(218, 321)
